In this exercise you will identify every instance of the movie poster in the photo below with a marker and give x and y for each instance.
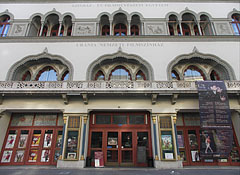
(36, 139)
(215, 119)
(45, 155)
(19, 156)
(10, 141)
(47, 140)
(23, 141)
(6, 156)
(33, 156)
(167, 142)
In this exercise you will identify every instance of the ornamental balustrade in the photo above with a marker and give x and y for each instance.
(105, 86)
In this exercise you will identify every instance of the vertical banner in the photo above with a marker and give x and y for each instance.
(215, 118)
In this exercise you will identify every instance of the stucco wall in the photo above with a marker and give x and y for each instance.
(82, 54)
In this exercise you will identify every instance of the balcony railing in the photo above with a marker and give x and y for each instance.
(106, 87)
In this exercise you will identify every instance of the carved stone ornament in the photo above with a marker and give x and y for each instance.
(223, 28)
(82, 29)
(18, 29)
(155, 29)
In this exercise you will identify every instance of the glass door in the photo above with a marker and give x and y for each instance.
(112, 148)
(142, 148)
(126, 149)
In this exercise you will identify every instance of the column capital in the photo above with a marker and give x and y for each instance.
(85, 118)
(65, 119)
(154, 118)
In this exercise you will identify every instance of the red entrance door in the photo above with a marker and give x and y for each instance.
(125, 144)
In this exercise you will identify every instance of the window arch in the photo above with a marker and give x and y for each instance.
(100, 75)
(120, 24)
(51, 25)
(140, 75)
(186, 30)
(104, 25)
(175, 75)
(173, 24)
(47, 74)
(205, 25)
(120, 73)
(236, 23)
(4, 25)
(188, 23)
(36, 63)
(135, 23)
(193, 73)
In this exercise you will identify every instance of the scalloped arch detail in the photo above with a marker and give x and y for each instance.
(13, 69)
(119, 54)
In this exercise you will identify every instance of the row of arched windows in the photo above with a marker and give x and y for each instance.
(119, 26)
(194, 73)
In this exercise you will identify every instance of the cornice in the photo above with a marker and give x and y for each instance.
(116, 1)
(222, 38)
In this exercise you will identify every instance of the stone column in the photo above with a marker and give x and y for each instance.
(177, 153)
(111, 27)
(41, 30)
(155, 137)
(59, 28)
(199, 28)
(61, 157)
(129, 28)
(180, 27)
(84, 126)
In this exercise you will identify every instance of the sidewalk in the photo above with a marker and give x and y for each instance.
(52, 170)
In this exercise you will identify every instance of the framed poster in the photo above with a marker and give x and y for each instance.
(180, 140)
(71, 155)
(166, 142)
(169, 156)
(19, 156)
(47, 140)
(11, 140)
(33, 156)
(6, 156)
(45, 155)
(22, 141)
(112, 140)
(36, 139)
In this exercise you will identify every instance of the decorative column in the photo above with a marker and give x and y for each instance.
(177, 153)
(111, 27)
(85, 118)
(199, 28)
(97, 28)
(129, 28)
(212, 27)
(59, 28)
(142, 28)
(155, 137)
(63, 135)
(73, 25)
(41, 30)
(180, 27)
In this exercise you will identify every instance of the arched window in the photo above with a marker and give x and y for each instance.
(54, 31)
(47, 74)
(140, 76)
(186, 30)
(120, 73)
(171, 30)
(172, 24)
(193, 73)
(99, 76)
(120, 29)
(26, 76)
(4, 25)
(214, 76)
(236, 23)
(175, 75)
(106, 30)
(205, 25)
(65, 76)
(35, 26)
(134, 30)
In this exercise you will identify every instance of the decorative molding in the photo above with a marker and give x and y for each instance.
(154, 118)
(222, 28)
(85, 99)
(197, 54)
(84, 29)
(65, 99)
(155, 29)
(12, 71)
(174, 98)
(120, 54)
(18, 29)
(154, 98)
